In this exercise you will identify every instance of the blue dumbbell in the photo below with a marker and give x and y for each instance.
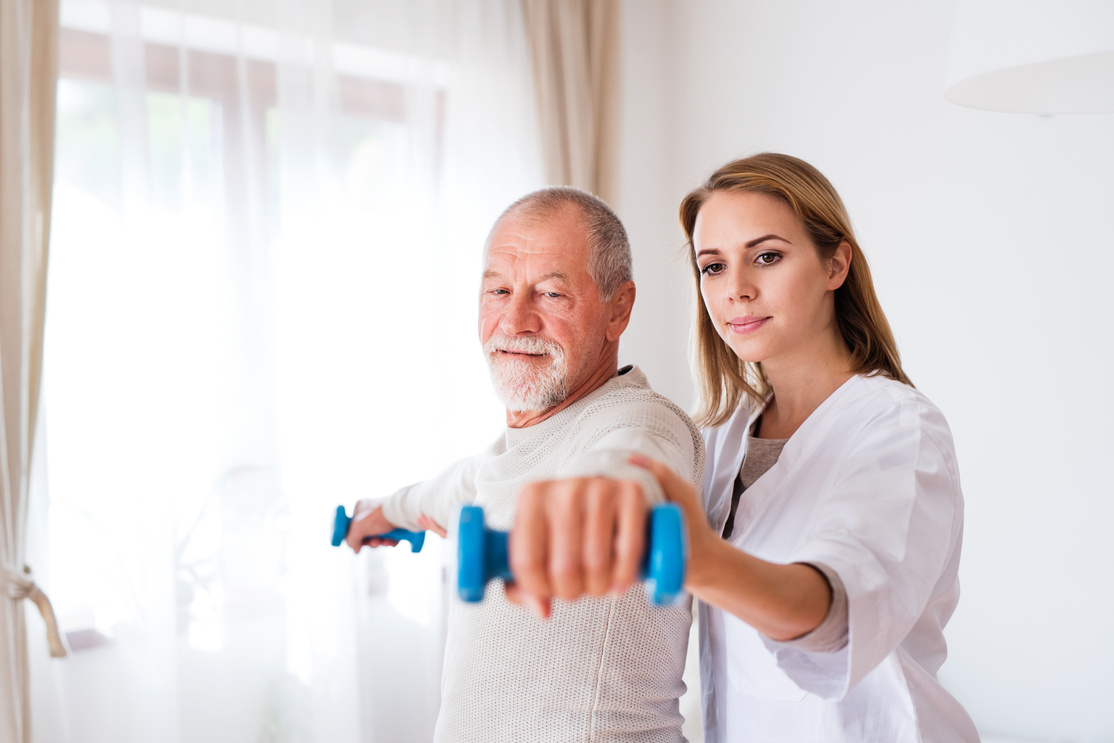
(340, 531)
(482, 555)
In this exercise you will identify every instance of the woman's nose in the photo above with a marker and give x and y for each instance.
(740, 286)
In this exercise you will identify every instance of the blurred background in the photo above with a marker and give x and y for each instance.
(265, 227)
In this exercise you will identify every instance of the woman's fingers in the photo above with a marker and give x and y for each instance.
(677, 489)
(702, 539)
(674, 485)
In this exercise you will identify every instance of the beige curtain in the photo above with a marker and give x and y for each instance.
(575, 46)
(28, 75)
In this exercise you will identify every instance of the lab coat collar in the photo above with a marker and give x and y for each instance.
(728, 443)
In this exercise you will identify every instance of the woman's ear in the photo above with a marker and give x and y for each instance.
(839, 265)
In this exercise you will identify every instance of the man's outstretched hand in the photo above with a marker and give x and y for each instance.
(367, 521)
(574, 537)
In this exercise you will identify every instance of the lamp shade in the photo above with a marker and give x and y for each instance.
(1033, 56)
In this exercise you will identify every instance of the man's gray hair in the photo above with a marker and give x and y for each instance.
(609, 256)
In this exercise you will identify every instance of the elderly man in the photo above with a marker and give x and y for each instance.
(556, 295)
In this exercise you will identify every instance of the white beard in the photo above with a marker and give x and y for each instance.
(525, 385)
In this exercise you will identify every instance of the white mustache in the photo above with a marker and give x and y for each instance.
(505, 343)
(520, 383)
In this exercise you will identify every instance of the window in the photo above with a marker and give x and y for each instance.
(254, 299)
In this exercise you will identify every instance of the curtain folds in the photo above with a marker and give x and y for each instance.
(268, 225)
(575, 49)
(28, 73)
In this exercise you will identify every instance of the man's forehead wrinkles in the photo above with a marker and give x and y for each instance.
(551, 235)
(548, 254)
(536, 266)
(526, 249)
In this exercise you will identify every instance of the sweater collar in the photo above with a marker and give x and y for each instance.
(626, 376)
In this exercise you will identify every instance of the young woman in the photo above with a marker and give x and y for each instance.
(826, 546)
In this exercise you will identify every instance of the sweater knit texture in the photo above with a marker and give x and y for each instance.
(606, 670)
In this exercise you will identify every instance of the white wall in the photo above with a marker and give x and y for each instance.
(989, 237)
(648, 196)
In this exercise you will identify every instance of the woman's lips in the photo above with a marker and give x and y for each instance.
(748, 324)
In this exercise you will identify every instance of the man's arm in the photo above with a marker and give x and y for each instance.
(414, 506)
(610, 456)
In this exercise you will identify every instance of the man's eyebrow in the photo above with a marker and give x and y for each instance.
(555, 275)
(750, 244)
(552, 275)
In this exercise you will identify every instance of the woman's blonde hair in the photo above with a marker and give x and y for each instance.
(723, 379)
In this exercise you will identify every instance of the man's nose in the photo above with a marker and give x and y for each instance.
(519, 316)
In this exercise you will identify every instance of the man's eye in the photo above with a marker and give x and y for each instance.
(552, 295)
(712, 269)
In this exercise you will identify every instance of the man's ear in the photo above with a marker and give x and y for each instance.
(622, 301)
(839, 265)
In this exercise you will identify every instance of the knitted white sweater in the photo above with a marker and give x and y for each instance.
(603, 670)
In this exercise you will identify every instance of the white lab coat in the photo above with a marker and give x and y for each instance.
(868, 485)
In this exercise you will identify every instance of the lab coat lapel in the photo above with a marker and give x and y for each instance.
(774, 489)
(727, 447)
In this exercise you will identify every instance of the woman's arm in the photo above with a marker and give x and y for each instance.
(782, 602)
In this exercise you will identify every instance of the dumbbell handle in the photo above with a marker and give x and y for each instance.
(482, 555)
(343, 520)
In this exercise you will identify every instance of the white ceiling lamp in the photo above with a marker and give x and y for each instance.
(1033, 56)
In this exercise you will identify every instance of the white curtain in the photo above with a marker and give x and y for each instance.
(28, 66)
(575, 49)
(267, 232)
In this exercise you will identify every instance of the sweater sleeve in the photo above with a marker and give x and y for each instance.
(667, 438)
(439, 498)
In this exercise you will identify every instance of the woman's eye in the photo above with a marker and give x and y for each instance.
(552, 295)
(712, 269)
(766, 259)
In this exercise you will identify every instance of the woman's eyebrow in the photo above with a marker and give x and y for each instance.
(764, 238)
(752, 243)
